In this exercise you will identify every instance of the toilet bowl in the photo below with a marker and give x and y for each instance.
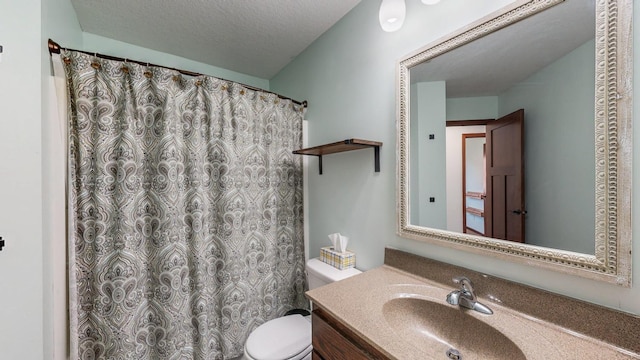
(289, 337)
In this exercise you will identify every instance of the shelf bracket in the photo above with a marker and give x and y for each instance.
(376, 158)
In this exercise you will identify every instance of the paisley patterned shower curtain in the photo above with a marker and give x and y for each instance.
(185, 211)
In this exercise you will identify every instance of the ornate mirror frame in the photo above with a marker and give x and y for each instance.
(613, 144)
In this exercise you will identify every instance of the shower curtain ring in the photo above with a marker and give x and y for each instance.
(95, 64)
(148, 73)
(125, 68)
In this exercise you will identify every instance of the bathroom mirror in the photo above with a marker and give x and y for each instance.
(576, 141)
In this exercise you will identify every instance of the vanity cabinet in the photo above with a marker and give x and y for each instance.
(332, 340)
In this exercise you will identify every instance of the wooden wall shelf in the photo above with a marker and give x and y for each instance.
(342, 146)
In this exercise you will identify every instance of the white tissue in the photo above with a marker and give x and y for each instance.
(334, 239)
(339, 242)
(343, 244)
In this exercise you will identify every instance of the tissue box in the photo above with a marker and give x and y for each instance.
(337, 259)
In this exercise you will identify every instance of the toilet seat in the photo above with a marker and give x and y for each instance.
(287, 337)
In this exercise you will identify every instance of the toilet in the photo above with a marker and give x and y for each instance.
(289, 337)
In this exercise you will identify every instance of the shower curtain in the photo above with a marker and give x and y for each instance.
(185, 211)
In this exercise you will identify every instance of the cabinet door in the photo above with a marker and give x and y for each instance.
(333, 341)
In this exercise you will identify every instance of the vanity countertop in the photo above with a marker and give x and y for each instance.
(359, 303)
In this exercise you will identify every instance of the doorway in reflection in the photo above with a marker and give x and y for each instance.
(474, 182)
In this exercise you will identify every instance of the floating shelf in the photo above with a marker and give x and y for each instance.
(342, 146)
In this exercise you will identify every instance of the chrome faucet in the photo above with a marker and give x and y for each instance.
(465, 297)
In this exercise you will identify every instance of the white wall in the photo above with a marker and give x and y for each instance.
(348, 75)
(59, 23)
(468, 108)
(454, 173)
(21, 260)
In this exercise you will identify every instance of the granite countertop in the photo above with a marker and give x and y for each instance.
(362, 304)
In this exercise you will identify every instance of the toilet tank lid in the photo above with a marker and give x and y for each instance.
(328, 272)
(280, 338)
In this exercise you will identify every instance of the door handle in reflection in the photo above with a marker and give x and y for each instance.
(519, 212)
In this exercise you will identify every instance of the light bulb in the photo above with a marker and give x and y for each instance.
(392, 13)
(430, 2)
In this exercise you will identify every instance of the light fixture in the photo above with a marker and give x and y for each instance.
(392, 13)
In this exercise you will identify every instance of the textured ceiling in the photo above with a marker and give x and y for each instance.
(253, 37)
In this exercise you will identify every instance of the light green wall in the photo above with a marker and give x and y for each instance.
(414, 134)
(429, 155)
(472, 108)
(348, 75)
(559, 151)
(103, 45)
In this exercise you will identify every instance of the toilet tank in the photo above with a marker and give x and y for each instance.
(319, 273)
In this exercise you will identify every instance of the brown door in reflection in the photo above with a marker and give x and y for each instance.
(504, 204)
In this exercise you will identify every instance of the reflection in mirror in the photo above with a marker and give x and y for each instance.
(473, 182)
(551, 77)
(542, 62)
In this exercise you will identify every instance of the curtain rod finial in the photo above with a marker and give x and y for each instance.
(54, 48)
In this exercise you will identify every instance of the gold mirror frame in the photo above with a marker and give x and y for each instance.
(613, 143)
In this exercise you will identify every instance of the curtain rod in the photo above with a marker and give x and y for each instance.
(54, 48)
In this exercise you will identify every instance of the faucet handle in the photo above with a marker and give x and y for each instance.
(453, 297)
(465, 284)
